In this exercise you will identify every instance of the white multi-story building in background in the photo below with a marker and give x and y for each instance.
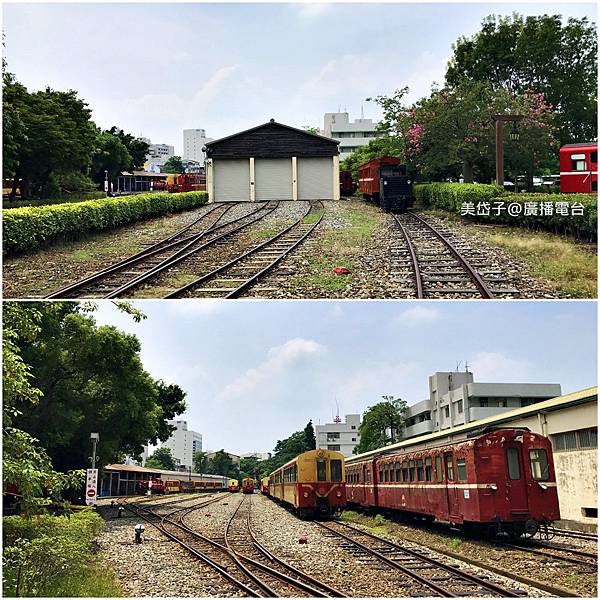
(193, 142)
(183, 443)
(351, 135)
(157, 156)
(340, 436)
(455, 399)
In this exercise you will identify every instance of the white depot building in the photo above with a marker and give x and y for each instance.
(193, 142)
(351, 134)
(183, 443)
(341, 436)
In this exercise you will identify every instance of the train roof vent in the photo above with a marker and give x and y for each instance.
(492, 428)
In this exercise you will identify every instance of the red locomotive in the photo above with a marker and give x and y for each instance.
(312, 483)
(500, 482)
(186, 182)
(579, 168)
(156, 486)
(384, 181)
(347, 184)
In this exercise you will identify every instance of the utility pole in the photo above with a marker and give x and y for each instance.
(514, 135)
(95, 437)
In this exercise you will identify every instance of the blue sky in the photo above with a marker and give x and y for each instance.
(155, 69)
(257, 371)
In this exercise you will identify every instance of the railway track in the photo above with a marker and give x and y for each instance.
(441, 264)
(205, 232)
(579, 535)
(560, 553)
(253, 577)
(239, 274)
(438, 577)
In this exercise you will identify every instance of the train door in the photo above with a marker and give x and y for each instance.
(517, 486)
(451, 490)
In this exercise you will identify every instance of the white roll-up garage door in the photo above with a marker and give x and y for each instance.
(315, 178)
(232, 180)
(273, 178)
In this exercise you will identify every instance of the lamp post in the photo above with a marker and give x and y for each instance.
(514, 135)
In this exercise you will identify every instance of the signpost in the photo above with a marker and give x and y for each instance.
(91, 486)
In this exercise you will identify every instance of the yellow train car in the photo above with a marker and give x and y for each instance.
(172, 486)
(233, 486)
(313, 483)
(264, 486)
(247, 485)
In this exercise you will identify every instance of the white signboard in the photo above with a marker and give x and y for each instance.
(91, 486)
(106, 185)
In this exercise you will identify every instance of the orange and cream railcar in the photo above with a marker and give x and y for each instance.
(313, 483)
(233, 486)
(264, 486)
(247, 485)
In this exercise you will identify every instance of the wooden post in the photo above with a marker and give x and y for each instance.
(499, 153)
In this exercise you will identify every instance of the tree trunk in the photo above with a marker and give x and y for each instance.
(468, 171)
(13, 191)
(529, 181)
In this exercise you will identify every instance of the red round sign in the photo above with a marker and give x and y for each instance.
(91, 493)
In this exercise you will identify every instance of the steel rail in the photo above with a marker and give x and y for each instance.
(200, 555)
(582, 535)
(413, 259)
(259, 565)
(481, 285)
(152, 250)
(253, 278)
(503, 592)
(182, 254)
(576, 561)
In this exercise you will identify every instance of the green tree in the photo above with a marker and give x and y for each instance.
(91, 379)
(28, 476)
(137, 148)
(309, 436)
(538, 54)
(222, 464)
(250, 467)
(382, 424)
(200, 462)
(387, 145)
(161, 458)
(311, 129)
(173, 164)
(110, 155)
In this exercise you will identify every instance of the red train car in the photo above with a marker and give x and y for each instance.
(264, 486)
(312, 483)
(156, 486)
(347, 184)
(186, 182)
(499, 482)
(247, 485)
(368, 176)
(579, 168)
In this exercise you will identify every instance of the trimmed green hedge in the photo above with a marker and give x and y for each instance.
(452, 196)
(31, 227)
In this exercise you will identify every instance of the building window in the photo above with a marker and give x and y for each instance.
(332, 437)
(353, 439)
(483, 402)
(459, 407)
(335, 447)
(446, 412)
(575, 440)
(353, 427)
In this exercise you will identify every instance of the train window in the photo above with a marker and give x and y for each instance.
(386, 473)
(428, 469)
(321, 470)
(540, 469)
(368, 476)
(404, 471)
(514, 466)
(420, 475)
(398, 478)
(381, 475)
(449, 467)
(411, 469)
(594, 157)
(578, 162)
(439, 473)
(461, 469)
(336, 470)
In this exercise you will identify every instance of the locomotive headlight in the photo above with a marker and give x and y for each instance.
(492, 486)
(408, 181)
(306, 494)
(543, 486)
(339, 494)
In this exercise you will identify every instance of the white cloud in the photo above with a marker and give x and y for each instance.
(192, 308)
(494, 366)
(426, 70)
(313, 9)
(278, 361)
(368, 384)
(417, 315)
(210, 89)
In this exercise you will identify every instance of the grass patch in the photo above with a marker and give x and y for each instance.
(312, 218)
(570, 267)
(263, 234)
(96, 580)
(455, 543)
(319, 273)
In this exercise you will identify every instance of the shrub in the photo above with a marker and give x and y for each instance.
(38, 552)
(451, 196)
(31, 227)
